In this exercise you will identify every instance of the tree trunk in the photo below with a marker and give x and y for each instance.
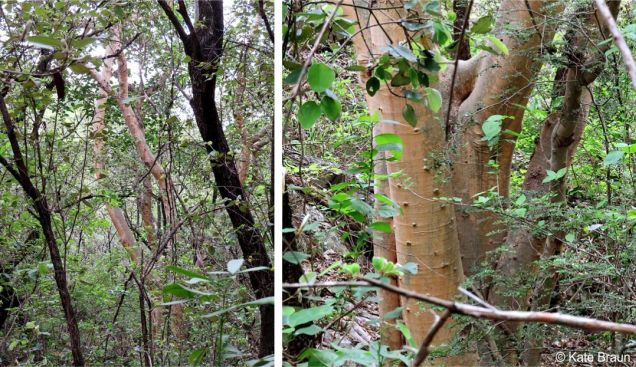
(425, 233)
(503, 84)
(204, 46)
(384, 246)
(554, 149)
(485, 85)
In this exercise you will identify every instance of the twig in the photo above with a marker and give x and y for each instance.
(268, 27)
(618, 39)
(578, 322)
(325, 26)
(428, 339)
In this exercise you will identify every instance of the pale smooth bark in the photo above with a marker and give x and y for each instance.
(425, 231)
(503, 83)
(116, 215)
(384, 246)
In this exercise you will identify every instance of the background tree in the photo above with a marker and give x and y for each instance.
(138, 234)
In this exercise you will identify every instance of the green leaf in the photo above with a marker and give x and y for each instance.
(178, 290)
(400, 79)
(234, 265)
(552, 176)
(292, 77)
(352, 269)
(379, 263)
(503, 49)
(331, 107)
(373, 84)
(79, 68)
(45, 42)
(434, 98)
(409, 115)
(82, 42)
(613, 157)
(389, 143)
(409, 267)
(570, 237)
(188, 273)
(361, 206)
(196, 356)
(404, 52)
(309, 330)
(397, 312)
(407, 333)
(258, 302)
(308, 278)
(308, 113)
(356, 68)
(295, 257)
(320, 77)
(492, 128)
(482, 25)
(380, 227)
(309, 314)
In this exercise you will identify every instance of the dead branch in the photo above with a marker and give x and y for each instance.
(480, 312)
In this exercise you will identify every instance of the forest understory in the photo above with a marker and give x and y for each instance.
(452, 166)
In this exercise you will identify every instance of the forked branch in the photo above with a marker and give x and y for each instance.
(481, 312)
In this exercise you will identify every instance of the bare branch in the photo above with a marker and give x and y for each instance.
(175, 22)
(618, 39)
(479, 312)
(428, 339)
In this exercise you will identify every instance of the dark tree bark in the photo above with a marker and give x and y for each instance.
(8, 298)
(43, 214)
(204, 45)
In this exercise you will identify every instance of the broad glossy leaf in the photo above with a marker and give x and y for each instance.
(308, 113)
(613, 157)
(295, 257)
(483, 25)
(409, 115)
(45, 42)
(434, 98)
(373, 84)
(320, 77)
(309, 314)
(503, 49)
(331, 107)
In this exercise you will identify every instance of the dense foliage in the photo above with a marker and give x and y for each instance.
(187, 298)
(331, 152)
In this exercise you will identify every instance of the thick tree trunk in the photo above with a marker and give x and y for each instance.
(485, 85)
(204, 46)
(503, 84)
(425, 232)
(554, 149)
